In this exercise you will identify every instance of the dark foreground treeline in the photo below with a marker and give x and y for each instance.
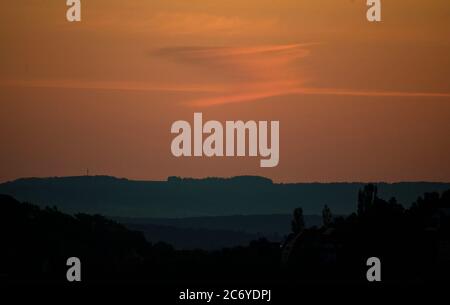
(413, 246)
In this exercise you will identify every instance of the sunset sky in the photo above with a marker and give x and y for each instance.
(356, 101)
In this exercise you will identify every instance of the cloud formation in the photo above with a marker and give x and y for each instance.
(247, 73)
(255, 73)
(229, 75)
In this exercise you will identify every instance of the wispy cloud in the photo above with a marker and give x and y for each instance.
(231, 75)
(347, 92)
(255, 73)
(247, 73)
(178, 23)
(197, 23)
(109, 85)
(255, 96)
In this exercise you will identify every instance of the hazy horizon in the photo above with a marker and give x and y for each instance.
(94, 175)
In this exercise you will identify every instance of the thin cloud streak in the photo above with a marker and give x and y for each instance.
(255, 96)
(244, 93)
(334, 91)
(217, 52)
(110, 85)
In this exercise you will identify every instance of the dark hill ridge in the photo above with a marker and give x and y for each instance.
(176, 197)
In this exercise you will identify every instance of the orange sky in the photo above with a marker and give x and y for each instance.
(356, 101)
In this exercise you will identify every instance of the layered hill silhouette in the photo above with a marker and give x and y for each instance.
(177, 197)
(253, 224)
(412, 243)
(215, 232)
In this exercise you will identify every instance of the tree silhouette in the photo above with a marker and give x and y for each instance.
(298, 223)
(327, 216)
(366, 198)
